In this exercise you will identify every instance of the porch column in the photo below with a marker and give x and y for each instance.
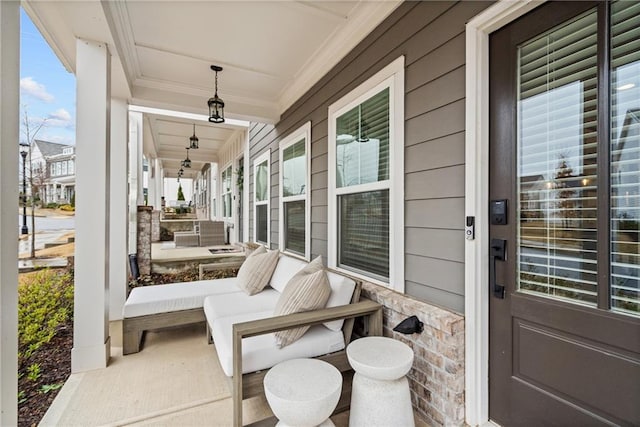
(151, 189)
(118, 209)
(136, 197)
(9, 134)
(91, 341)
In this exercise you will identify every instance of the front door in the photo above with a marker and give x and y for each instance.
(565, 216)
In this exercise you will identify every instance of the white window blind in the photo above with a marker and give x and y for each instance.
(557, 149)
(625, 157)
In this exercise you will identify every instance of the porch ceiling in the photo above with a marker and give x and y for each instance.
(272, 52)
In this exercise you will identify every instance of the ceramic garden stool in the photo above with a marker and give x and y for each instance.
(380, 393)
(303, 392)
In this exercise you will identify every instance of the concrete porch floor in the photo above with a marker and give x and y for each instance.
(175, 380)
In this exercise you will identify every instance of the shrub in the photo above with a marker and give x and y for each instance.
(45, 301)
(68, 208)
(51, 206)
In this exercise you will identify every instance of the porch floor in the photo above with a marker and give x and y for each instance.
(175, 380)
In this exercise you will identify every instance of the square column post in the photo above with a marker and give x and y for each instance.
(136, 198)
(118, 209)
(9, 156)
(91, 341)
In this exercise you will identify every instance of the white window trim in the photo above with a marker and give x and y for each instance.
(229, 165)
(303, 131)
(391, 76)
(477, 201)
(266, 156)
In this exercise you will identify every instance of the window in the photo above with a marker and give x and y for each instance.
(261, 184)
(226, 192)
(58, 168)
(53, 169)
(366, 178)
(71, 167)
(294, 192)
(64, 168)
(563, 248)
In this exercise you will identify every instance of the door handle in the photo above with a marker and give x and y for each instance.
(497, 253)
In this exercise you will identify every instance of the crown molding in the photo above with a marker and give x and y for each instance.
(338, 45)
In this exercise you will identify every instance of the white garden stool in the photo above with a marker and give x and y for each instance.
(380, 392)
(303, 392)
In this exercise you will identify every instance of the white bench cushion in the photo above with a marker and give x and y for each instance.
(287, 268)
(260, 352)
(217, 306)
(341, 292)
(175, 296)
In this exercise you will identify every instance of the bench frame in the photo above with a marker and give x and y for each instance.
(251, 384)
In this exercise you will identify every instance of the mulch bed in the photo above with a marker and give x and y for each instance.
(54, 359)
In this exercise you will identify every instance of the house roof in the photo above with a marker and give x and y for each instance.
(48, 149)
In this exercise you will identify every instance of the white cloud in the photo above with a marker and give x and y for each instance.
(60, 118)
(61, 114)
(35, 89)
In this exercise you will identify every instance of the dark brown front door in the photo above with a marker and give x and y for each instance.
(565, 168)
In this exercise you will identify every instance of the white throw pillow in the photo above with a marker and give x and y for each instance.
(306, 291)
(256, 270)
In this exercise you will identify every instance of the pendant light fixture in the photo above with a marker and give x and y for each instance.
(216, 105)
(186, 163)
(193, 139)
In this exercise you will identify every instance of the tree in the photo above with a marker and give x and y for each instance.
(29, 131)
(564, 182)
(180, 194)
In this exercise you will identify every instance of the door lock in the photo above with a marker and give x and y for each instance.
(497, 253)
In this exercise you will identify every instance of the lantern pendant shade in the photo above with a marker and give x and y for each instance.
(193, 140)
(216, 105)
(186, 163)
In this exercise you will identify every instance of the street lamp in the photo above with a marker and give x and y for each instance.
(23, 153)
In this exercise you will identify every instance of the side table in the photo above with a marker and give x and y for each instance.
(303, 392)
(380, 393)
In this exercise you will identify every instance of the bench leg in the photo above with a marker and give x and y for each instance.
(131, 342)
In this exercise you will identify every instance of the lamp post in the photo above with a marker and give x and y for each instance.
(23, 153)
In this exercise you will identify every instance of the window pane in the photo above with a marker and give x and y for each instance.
(557, 139)
(226, 200)
(294, 227)
(226, 180)
(261, 182)
(71, 167)
(362, 151)
(261, 223)
(294, 169)
(364, 232)
(625, 157)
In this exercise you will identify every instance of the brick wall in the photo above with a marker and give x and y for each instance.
(437, 376)
(144, 239)
(155, 226)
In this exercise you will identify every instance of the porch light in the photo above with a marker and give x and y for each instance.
(193, 140)
(186, 163)
(216, 105)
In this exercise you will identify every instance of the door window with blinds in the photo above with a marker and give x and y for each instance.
(226, 192)
(294, 179)
(362, 184)
(261, 198)
(578, 182)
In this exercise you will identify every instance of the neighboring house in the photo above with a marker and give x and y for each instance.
(53, 167)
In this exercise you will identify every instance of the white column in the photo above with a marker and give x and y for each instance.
(135, 176)
(91, 341)
(152, 197)
(158, 186)
(118, 209)
(9, 134)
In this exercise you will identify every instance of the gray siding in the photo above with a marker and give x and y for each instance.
(431, 36)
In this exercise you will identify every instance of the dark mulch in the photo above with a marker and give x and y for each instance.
(54, 359)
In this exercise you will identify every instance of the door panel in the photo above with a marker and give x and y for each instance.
(561, 353)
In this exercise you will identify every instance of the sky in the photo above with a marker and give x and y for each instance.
(47, 90)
